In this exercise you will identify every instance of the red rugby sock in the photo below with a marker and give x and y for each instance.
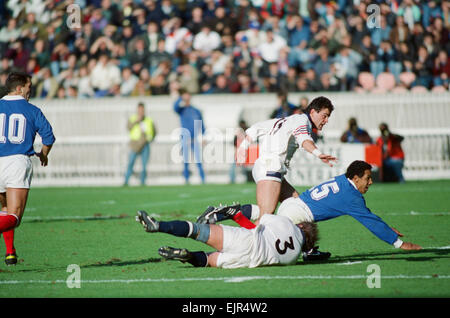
(240, 219)
(7, 222)
(8, 236)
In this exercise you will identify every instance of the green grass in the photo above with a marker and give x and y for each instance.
(95, 229)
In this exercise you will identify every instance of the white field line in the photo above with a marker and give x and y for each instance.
(417, 213)
(237, 279)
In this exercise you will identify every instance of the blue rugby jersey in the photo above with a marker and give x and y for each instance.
(19, 123)
(339, 196)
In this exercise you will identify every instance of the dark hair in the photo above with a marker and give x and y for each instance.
(318, 104)
(16, 79)
(310, 234)
(357, 168)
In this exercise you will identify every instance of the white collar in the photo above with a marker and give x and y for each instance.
(352, 183)
(12, 97)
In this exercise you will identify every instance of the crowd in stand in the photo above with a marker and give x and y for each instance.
(154, 47)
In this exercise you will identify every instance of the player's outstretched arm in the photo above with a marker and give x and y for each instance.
(407, 246)
(311, 147)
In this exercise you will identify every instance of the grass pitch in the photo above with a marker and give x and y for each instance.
(94, 228)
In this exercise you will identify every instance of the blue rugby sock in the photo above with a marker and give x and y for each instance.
(199, 232)
(199, 259)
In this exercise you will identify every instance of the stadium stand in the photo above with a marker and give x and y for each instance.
(301, 36)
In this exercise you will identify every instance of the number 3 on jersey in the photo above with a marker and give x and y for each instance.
(318, 194)
(16, 128)
(287, 245)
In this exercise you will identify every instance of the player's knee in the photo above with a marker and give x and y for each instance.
(203, 231)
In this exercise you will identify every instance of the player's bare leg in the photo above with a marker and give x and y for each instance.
(287, 191)
(215, 239)
(13, 203)
(17, 200)
(212, 259)
(267, 196)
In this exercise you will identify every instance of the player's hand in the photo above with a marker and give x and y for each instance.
(397, 231)
(410, 246)
(327, 159)
(43, 158)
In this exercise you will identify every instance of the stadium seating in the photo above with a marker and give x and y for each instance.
(419, 89)
(366, 80)
(385, 81)
(407, 78)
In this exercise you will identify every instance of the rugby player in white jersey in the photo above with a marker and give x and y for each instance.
(275, 138)
(19, 123)
(275, 240)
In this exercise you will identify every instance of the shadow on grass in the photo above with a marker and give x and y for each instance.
(119, 262)
(411, 256)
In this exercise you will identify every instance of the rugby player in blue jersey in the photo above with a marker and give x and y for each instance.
(19, 123)
(342, 195)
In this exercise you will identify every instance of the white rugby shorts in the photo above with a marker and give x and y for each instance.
(237, 248)
(296, 210)
(16, 171)
(268, 167)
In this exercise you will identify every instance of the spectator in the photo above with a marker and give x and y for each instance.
(223, 22)
(196, 22)
(159, 82)
(221, 85)
(355, 134)
(188, 78)
(206, 41)
(410, 12)
(386, 59)
(393, 155)
(399, 33)
(9, 33)
(347, 62)
(423, 67)
(41, 53)
(270, 48)
(85, 89)
(142, 132)
(441, 69)
(322, 64)
(104, 76)
(175, 34)
(284, 107)
(19, 55)
(192, 128)
(139, 57)
(152, 37)
(128, 82)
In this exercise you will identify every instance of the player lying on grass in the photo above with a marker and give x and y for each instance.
(276, 240)
(342, 195)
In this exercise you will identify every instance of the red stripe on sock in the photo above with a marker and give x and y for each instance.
(240, 219)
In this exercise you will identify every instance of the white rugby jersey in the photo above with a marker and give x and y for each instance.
(277, 241)
(274, 134)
